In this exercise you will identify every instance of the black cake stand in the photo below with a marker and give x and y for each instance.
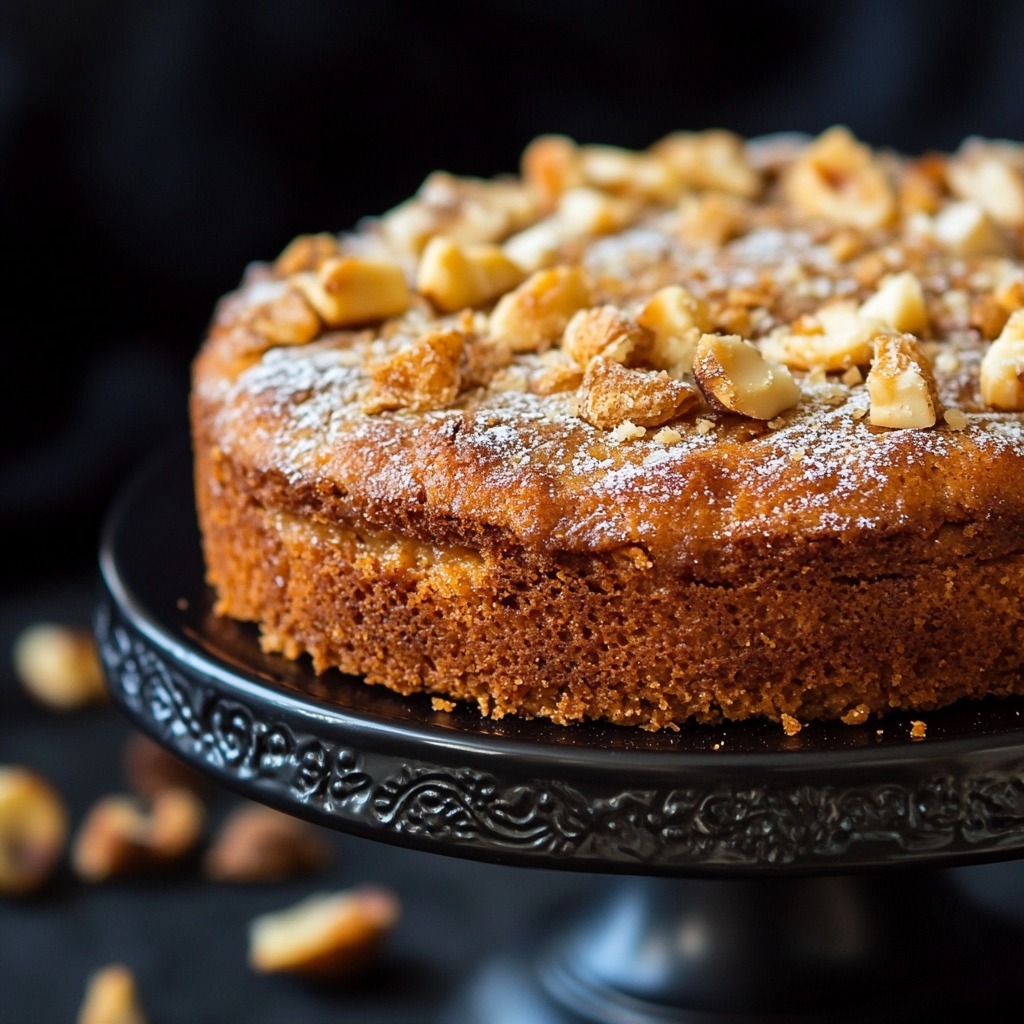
(796, 872)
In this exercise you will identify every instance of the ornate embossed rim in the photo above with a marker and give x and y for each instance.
(507, 799)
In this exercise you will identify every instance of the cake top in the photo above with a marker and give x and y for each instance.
(708, 343)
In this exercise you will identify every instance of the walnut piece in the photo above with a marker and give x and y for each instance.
(328, 936)
(605, 331)
(455, 276)
(111, 997)
(59, 667)
(534, 315)
(677, 318)
(423, 375)
(735, 377)
(713, 159)
(306, 252)
(611, 394)
(118, 838)
(1002, 367)
(835, 338)
(33, 830)
(348, 291)
(838, 179)
(899, 302)
(901, 386)
(259, 844)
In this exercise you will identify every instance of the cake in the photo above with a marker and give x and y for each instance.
(713, 430)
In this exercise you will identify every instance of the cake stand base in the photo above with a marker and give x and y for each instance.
(846, 948)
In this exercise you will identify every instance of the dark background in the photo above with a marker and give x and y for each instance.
(150, 149)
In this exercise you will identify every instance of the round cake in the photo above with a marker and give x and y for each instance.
(714, 430)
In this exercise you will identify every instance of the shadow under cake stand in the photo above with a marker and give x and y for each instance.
(779, 895)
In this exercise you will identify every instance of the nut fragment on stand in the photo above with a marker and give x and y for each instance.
(259, 844)
(111, 998)
(33, 830)
(329, 936)
(59, 667)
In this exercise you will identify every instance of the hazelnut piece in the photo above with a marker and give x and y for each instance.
(534, 315)
(1002, 367)
(111, 998)
(735, 377)
(901, 387)
(59, 666)
(455, 277)
(348, 291)
(899, 302)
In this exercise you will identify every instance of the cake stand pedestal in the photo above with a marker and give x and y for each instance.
(798, 872)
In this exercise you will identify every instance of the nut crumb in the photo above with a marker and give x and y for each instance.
(853, 377)
(790, 726)
(857, 715)
(668, 435)
(440, 704)
(956, 419)
(918, 730)
(628, 431)
(704, 426)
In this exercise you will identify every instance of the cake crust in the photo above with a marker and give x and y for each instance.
(471, 534)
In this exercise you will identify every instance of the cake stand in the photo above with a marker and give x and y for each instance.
(796, 872)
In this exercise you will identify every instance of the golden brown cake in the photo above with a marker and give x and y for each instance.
(713, 430)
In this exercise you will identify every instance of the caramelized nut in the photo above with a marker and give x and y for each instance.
(899, 303)
(306, 252)
(111, 998)
(455, 277)
(328, 936)
(59, 666)
(534, 316)
(423, 375)
(259, 844)
(611, 394)
(118, 838)
(1002, 368)
(735, 377)
(901, 387)
(33, 830)
(348, 291)
(605, 331)
(837, 178)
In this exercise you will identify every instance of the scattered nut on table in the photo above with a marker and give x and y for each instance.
(111, 998)
(259, 844)
(149, 769)
(329, 936)
(119, 838)
(59, 667)
(33, 830)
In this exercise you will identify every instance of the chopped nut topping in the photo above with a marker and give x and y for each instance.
(967, 230)
(33, 830)
(606, 331)
(900, 384)
(955, 419)
(1002, 368)
(534, 316)
(627, 430)
(899, 302)
(551, 166)
(454, 277)
(329, 936)
(835, 338)
(790, 725)
(59, 667)
(918, 730)
(677, 318)
(348, 291)
(624, 172)
(837, 178)
(988, 315)
(111, 998)
(712, 218)
(424, 375)
(612, 394)
(287, 320)
(992, 175)
(735, 377)
(713, 159)
(306, 252)
(585, 211)
(923, 185)
(668, 435)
